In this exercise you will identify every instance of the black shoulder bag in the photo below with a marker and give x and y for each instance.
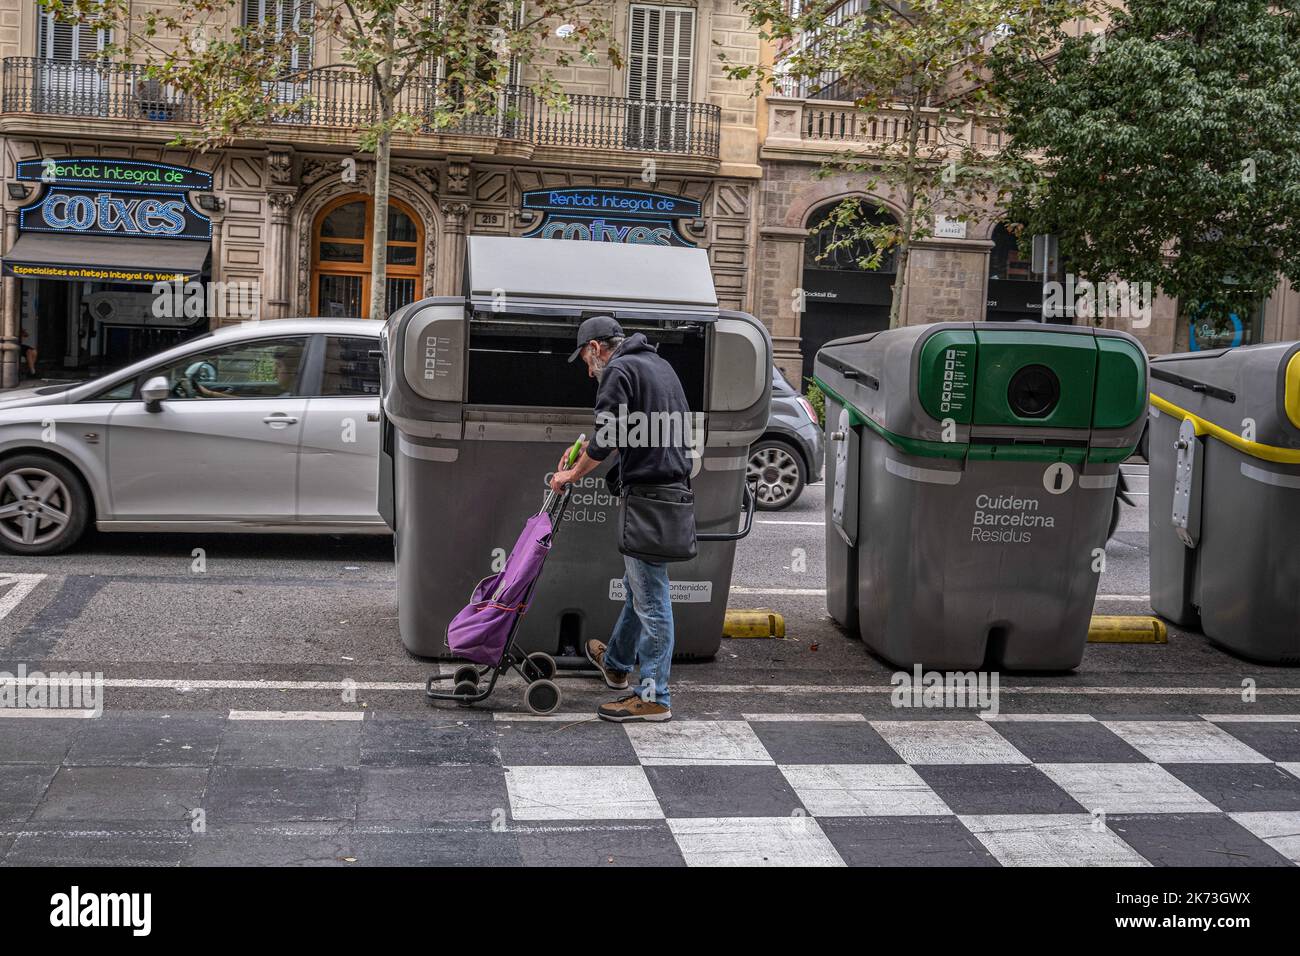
(656, 523)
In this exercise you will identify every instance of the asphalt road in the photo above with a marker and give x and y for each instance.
(289, 610)
(270, 690)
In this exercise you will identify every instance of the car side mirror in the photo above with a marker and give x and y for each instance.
(154, 391)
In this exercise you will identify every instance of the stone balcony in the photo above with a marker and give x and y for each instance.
(328, 106)
(814, 130)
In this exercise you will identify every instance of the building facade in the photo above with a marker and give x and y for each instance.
(965, 270)
(97, 207)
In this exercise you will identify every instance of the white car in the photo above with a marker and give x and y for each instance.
(266, 426)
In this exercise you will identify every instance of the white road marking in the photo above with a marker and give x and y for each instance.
(581, 793)
(1251, 718)
(569, 718)
(821, 592)
(48, 712)
(863, 790)
(815, 524)
(805, 718)
(1031, 718)
(698, 743)
(21, 585)
(1183, 741)
(947, 742)
(1051, 839)
(1279, 829)
(156, 683)
(177, 684)
(812, 592)
(1005, 689)
(753, 841)
(1126, 788)
(297, 715)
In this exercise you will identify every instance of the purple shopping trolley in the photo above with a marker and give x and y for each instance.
(483, 632)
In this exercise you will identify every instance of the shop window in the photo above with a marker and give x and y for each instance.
(341, 258)
(1214, 326)
(1015, 290)
(1006, 261)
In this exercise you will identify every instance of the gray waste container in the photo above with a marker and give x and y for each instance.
(479, 401)
(1225, 496)
(971, 471)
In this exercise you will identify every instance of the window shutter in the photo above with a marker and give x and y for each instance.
(65, 42)
(285, 16)
(660, 52)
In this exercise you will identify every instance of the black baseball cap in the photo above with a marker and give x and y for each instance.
(595, 327)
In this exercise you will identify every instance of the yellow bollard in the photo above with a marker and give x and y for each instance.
(759, 622)
(1127, 629)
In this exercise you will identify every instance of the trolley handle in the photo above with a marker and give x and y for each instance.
(749, 501)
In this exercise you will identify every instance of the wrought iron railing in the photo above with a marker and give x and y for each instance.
(342, 98)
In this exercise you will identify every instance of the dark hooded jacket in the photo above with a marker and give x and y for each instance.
(639, 385)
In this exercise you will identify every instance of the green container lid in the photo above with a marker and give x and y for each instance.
(1031, 360)
(1121, 383)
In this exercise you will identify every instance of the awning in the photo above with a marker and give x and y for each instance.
(105, 259)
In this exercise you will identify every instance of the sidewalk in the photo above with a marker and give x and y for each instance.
(802, 789)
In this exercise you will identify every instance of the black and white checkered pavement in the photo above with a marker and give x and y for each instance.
(761, 789)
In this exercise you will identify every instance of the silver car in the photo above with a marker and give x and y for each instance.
(788, 455)
(267, 426)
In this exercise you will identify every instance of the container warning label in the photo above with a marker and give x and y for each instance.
(682, 592)
(955, 383)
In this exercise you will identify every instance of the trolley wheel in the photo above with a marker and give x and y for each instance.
(466, 689)
(540, 666)
(465, 674)
(542, 696)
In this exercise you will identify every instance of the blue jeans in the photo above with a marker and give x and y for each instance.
(644, 630)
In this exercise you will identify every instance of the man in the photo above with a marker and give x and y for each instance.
(29, 352)
(286, 378)
(634, 382)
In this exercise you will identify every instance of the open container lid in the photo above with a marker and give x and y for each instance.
(572, 276)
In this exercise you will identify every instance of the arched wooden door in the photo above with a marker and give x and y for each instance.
(340, 265)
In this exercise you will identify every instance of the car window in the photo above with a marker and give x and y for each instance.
(262, 368)
(120, 392)
(350, 369)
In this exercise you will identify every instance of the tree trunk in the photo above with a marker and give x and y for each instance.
(379, 229)
(383, 161)
(911, 167)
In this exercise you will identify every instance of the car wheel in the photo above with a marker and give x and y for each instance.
(44, 505)
(779, 471)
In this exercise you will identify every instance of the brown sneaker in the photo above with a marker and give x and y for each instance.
(632, 709)
(615, 680)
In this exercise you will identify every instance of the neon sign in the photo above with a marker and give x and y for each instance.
(114, 173)
(611, 215)
(137, 215)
